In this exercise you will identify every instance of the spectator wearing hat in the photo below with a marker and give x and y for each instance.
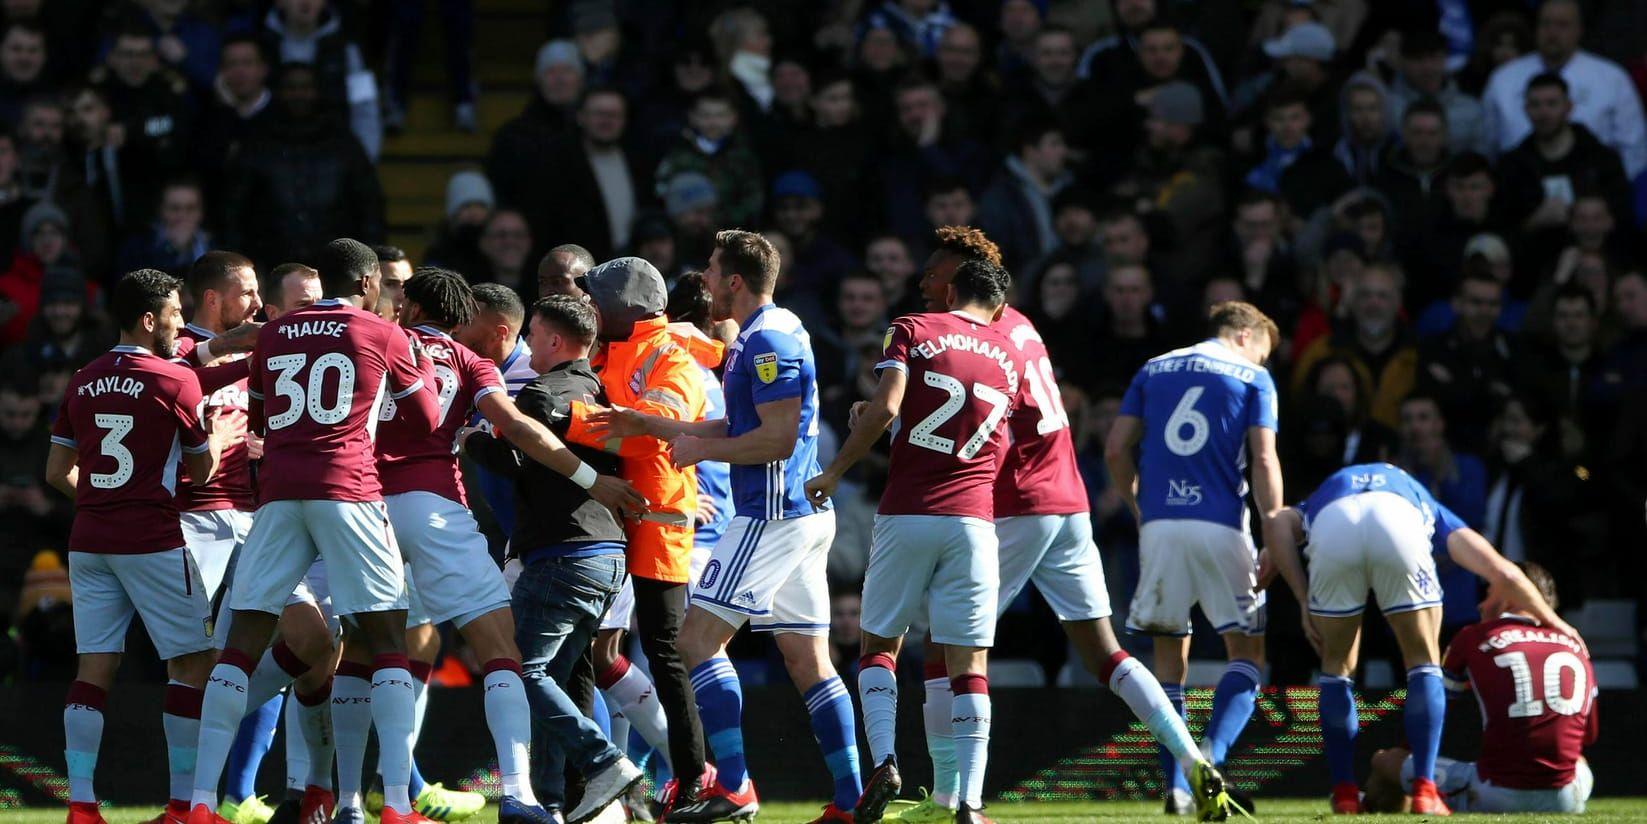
(1486, 254)
(714, 146)
(309, 32)
(457, 31)
(1367, 132)
(1421, 71)
(65, 334)
(1604, 99)
(1302, 62)
(559, 73)
(1163, 58)
(44, 246)
(1412, 176)
(817, 261)
(596, 185)
(469, 202)
(1016, 210)
(691, 202)
(177, 236)
(1180, 180)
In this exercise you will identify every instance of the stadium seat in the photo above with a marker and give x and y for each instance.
(1016, 672)
(1616, 675)
(1609, 627)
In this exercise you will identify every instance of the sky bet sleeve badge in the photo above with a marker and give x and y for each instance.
(766, 366)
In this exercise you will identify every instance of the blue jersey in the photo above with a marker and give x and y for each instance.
(772, 361)
(1382, 477)
(714, 477)
(1197, 404)
(498, 490)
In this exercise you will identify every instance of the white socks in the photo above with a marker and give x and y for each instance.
(82, 737)
(394, 712)
(878, 695)
(940, 739)
(221, 711)
(971, 718)
(632, 693)
(181, 722)
(1142, 693)
(313, 729)
(351, 723)
(510, 719)
(297, 745)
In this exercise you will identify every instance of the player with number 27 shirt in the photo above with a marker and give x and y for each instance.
(952, 380)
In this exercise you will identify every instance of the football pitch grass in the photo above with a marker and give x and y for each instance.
(1284, 811)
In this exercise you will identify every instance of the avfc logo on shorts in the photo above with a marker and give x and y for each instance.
(766, 367)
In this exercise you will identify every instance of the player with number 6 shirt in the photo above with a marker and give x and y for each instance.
(953, 379)
(126, 420)
(1044, 530)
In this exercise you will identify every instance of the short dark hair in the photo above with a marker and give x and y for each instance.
(442, 294)
(596, 91)
(495, 297)
(1161, 22)
(981, 282)
(1573, 291)
(1424, 105)
(1477, 274)
(211, 269)
(751, 256)
(1236, 315)
(139, 293)
(578, 253)
(1252, 196)
(572, 316)
(1033, 130)
(1285, 96)
(1054, 28)
(342, 263)
(942, 185)
(1542, 581)
(713, 94)
(1422, 43)
(273, 294)
(689, 301)
(1467, 164)
(388, 254)
(244, 39)
(131, 29)
(1548, 79)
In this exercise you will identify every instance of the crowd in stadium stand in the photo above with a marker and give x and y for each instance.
(1439, 201)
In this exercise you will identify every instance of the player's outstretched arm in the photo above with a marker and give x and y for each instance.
(618, 422)
(534, 439)
(1119, 451)
(61, 471)
(875, 418)
(773, 440)
(1508, 587)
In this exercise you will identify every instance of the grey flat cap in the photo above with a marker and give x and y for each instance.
(625, 290)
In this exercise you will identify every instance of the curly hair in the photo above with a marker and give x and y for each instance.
(968, 243)
(443, 295)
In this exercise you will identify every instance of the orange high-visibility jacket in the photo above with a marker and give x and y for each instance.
(653, 372)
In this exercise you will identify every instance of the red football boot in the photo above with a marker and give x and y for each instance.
(1346, 799)
(85, 812)
(1427, 799)
(414, 817)
(317, 806)
(833, 815)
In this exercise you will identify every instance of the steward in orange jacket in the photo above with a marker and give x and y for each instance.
(645, 366)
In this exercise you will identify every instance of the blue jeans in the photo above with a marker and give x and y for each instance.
(558, 604)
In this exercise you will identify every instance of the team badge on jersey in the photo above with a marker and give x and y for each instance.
(766, 367)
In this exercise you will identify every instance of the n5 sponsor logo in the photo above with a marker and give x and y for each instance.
(1183, 493)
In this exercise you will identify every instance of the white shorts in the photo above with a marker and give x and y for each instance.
(1057, 553)
(455, 576)
(1377, 541)
(1467, 792)
(946, 563)
(212, 537)
(163, 587)
(773, 574)
(622, 612)
(363, 566)
(1183, 563)
(311, 590)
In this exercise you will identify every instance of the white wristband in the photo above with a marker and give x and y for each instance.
(203, 352)
(585, 476)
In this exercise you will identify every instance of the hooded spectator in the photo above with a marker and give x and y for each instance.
(1368, 129)
(469, 202)
(1421, 71)
(691, 202)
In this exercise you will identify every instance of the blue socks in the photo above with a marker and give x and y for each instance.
(1171, 775)
(1426, 709)
(1339, 724)
(251, 743)
(720, 706)
(830, 705)
(415, 788)
(1232, 704)
(603, 717)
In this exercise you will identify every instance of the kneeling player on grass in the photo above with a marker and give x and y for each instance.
(1538, 706)
(126, 419)
(1045, 533)
(1372, 526)
(954, 379)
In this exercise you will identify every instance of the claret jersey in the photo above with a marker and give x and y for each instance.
(319, 378)
(414, 459)
(964, 381)
(1039, 475)
(231, 487)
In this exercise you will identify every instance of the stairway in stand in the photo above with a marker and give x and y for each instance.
(416, 164)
